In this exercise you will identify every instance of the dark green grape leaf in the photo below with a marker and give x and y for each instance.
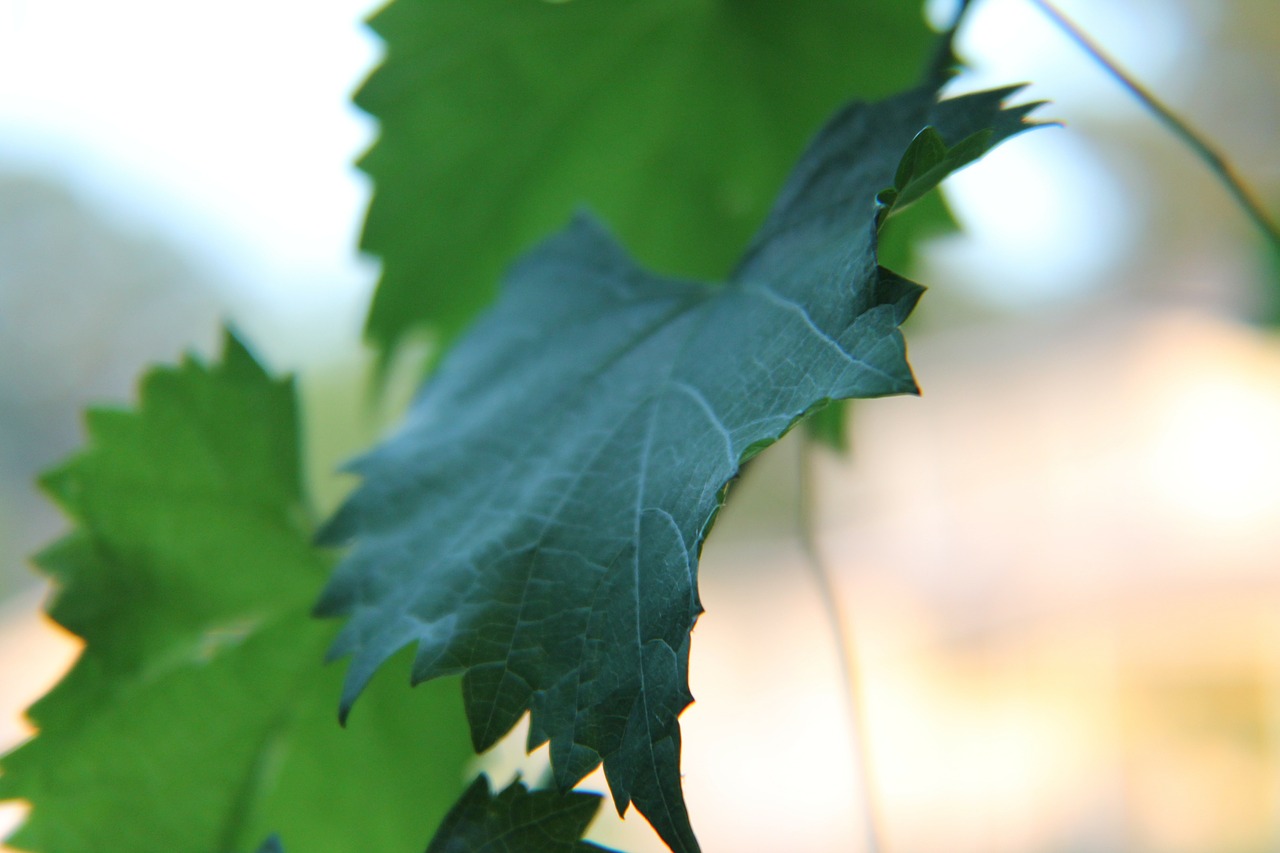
(199, 716)
(518, 820)
(676, 121)
(536, 523)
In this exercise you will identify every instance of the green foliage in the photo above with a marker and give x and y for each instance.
(535, 526)
(675, 120)
(827, 424)
(517, 821)
(924, 165)
(198, 717)
(536, 523)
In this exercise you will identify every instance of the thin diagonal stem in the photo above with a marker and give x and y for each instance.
(845, 651)
(1193, 140)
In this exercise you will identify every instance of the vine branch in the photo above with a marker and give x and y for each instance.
(1193, 140)
(844, 642)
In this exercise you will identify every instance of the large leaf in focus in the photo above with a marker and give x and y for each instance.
(536, 523)
(517, 820)
(199, 716)
(674, 119)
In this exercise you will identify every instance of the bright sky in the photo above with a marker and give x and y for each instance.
(1044, 218)
(227, 126)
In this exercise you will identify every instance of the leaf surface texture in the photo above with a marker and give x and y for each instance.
(535, 525)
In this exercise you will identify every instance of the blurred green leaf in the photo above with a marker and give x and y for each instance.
(828, 425)
(675, 120)
(199, 717)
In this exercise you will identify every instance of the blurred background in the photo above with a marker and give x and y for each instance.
(1059, 562)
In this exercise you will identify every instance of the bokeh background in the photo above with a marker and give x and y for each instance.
(1060, 562)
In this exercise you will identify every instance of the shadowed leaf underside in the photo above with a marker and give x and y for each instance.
(535, 524)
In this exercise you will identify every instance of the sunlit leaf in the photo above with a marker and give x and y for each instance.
(199, 717)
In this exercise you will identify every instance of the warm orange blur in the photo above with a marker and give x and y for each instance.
(34, 652)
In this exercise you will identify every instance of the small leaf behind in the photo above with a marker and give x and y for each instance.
(517, 820)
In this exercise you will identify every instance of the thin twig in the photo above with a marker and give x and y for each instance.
(843, 637)
(1193, 140)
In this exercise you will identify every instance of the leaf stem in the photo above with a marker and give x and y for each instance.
(842, 634)
(1193, 140)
